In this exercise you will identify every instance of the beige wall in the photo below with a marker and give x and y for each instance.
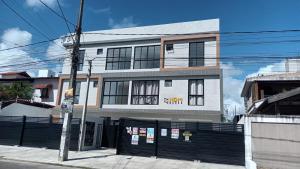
(276, 145)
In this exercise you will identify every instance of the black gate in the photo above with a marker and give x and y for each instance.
(36, 131)
(208, 142)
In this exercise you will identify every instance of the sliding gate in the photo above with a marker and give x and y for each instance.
(208, 142)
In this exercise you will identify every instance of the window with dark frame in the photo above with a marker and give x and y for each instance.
(118, 58)
(196, 54)
(169, 47)
(44, 93)
(196, 92)
(145, 92)
(80, 60)
(95, 84)
(99, 51)
(115, 92)
(146, 57)
(168, 83)
(77, 92)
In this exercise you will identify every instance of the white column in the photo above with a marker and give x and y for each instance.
(248, 144)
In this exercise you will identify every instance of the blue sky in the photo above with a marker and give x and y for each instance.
(235, 15)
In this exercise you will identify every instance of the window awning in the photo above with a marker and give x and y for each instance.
(42, 86)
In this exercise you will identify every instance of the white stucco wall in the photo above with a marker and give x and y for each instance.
(52, 91)
(179, 56)
(179, 89)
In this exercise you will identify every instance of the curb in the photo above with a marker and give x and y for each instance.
(47, 163)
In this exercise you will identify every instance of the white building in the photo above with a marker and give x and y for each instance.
(45, 87)
(164, 72)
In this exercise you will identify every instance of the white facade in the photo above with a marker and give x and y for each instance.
(173, 65)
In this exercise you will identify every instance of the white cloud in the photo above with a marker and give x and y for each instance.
(37, 3)
(124, 23)
(55, 51)
(10, 38)
(101, 10)
(232, 87)
(278, 67)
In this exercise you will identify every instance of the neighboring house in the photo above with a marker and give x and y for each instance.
(260, 87)
(44, 86)
(272, 119)
(20, 107)
(8, 78)
(149, 73)
(284, 103)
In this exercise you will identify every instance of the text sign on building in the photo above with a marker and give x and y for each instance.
(173, 100)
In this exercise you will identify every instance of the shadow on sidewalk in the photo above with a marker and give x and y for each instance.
(82, 158)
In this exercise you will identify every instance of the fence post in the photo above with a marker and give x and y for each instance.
(22, 130)
(119, 135)
(156, 138)
(50, 119)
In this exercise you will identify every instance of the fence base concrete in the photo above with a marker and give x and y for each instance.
(272, 135)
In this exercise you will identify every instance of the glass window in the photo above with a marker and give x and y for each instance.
(44, 93)
(80, 60)
(77, 92)
(196, 54)
(115, 92)
(169, 47)
(95, 84)
(146, 57)
(99, 51)
(145, 92)
(168, 83)
(196, 92)
(118, 58)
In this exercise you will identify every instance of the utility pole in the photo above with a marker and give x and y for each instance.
(66, 130)
(83, 118)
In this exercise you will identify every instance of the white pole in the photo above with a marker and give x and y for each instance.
(83, 118)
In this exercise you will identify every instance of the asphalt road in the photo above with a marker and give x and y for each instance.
(10, 164)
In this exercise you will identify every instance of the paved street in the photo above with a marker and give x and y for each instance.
(11, 164)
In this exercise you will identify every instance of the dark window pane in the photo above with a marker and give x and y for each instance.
(123, 52)
(151, 52)
(105, 99)
(118, 58)
(144, 53)
(109, 66)
(115, 92)
(137, 53)
(112, 100)
(125, 88)
(113, 87)
(137, 64)
(126, 65)
(128, 53)
(119, 88)
(106, 88)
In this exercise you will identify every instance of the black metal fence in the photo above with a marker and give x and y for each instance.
(36, 131)
(207, 142)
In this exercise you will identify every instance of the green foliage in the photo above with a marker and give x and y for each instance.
(16, 90)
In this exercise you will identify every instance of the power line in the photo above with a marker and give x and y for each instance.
(25, 20)
(57, 14)
(31, 44)
(65, 19)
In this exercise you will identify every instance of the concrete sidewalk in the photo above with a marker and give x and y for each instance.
(102, 159)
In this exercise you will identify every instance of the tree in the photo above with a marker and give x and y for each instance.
(16, 90)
